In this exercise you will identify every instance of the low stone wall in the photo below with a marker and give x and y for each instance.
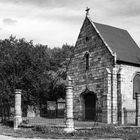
(129, 116)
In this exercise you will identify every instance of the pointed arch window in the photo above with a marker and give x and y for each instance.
(87, 60)
(136, 85)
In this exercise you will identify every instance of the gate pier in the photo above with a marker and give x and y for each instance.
(69, 107)
(17, 117)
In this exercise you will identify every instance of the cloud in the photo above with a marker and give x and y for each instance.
(60, 20)
(36, 12)
(46, 3)
(125, 8)
(110, 7)
(62, 15)
(9, 21)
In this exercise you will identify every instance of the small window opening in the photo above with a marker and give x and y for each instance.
(87, 60)
(87, 39)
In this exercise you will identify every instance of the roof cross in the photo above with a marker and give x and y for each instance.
(87, 11)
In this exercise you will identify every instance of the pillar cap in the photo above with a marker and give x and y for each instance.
(69, 81)
(18, 91)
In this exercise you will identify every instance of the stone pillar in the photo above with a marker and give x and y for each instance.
(114, 97)
(17, 117)
(138, 109)
(108, 96)
(69, 107)
(119, 98)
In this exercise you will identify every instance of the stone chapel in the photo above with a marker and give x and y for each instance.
(105, 72)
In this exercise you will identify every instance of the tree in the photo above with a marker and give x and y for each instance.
(23, 66)
(36, 69)
(60, 59)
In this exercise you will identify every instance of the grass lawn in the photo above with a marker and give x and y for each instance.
(21, 132)
(53, 128)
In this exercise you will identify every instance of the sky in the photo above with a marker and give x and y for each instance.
(56, 22)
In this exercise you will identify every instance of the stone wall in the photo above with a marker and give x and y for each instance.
(127, 74)
(129, 117)
(113, 94)
(95, 78)
(112, 83)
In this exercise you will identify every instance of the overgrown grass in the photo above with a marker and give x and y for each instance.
(96, 132)
(101, 131)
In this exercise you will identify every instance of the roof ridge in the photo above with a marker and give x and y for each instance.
(119, 42)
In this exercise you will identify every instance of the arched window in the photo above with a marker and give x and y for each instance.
(136, 84)
(87, 60)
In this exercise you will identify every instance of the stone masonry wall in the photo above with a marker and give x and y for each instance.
(113, 95)
(94, 78)
(128, 102)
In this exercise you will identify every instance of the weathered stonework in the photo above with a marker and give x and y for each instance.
(69, 107)
(138, 109)
(17, 117)
(111, 82)
(128, 102)
(95, 77)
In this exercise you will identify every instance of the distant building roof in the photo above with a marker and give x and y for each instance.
(120, 42)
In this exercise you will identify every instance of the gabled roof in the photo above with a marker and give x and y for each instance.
(120, 42)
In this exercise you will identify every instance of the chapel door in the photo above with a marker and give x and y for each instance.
(90, 107)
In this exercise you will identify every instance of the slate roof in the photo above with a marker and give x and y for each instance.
(120, 42)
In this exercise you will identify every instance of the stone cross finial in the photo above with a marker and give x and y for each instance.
(87, 11)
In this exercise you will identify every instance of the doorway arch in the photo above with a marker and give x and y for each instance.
(89, 105)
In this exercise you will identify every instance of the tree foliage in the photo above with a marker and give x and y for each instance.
(36, 69)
